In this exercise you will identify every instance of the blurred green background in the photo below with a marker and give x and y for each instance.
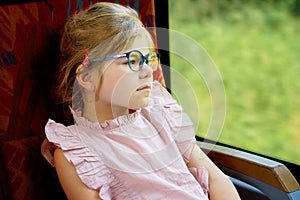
(256, 46)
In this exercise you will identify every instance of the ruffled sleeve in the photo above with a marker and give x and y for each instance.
(62, 136)
(91, 170)
(167, 115)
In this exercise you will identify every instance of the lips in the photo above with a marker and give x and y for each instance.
(144, 87)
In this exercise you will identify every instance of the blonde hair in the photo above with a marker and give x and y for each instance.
(103, 29)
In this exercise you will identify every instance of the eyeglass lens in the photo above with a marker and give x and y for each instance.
(136, 60)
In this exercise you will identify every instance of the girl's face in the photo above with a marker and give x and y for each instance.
(120, 87)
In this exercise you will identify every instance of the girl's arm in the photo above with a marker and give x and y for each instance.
(220, 186)
(70, 181)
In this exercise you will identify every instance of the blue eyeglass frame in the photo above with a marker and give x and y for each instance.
(144, 58)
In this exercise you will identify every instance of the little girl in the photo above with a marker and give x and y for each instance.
(130, 140)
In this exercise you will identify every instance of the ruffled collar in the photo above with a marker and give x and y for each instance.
(108, 124)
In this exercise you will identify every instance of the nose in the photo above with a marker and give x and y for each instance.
(146, 71)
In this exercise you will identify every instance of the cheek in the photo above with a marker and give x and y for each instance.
(117, 88)
(124, 89)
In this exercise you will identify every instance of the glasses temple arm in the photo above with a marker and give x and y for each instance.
(108, 58)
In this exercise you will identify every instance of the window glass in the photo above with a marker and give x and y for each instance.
(256, 48)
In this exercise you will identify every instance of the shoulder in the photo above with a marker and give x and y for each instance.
(160, 94)
(64, 137)
(57, 135)
(164, 108)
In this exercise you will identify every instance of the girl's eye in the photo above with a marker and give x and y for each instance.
(132, 61)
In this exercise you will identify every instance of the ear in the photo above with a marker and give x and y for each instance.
(86, 79)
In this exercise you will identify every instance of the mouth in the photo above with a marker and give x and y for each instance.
(144, 87)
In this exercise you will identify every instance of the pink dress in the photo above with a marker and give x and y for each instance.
(141, 155)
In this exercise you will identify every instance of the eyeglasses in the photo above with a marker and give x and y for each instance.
(135, 59)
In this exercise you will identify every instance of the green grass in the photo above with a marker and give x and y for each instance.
(257, 51)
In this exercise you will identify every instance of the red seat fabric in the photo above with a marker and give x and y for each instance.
(29, 54)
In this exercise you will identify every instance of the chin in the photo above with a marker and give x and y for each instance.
(141, 103)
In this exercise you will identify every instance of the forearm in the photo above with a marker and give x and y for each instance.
(222, 188)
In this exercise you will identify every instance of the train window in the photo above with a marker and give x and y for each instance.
(253, 48)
